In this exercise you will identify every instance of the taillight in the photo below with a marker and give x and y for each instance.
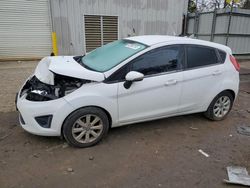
(235, 63)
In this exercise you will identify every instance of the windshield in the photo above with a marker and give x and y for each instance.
(108, 56)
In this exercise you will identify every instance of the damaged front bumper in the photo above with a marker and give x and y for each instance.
(41, 101)
(31, 111)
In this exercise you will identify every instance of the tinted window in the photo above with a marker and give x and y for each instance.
(119, 75)
(222, 55)
(200, 56)
(158, 60)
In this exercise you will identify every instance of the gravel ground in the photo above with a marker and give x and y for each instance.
(162, 153)
(13, 75)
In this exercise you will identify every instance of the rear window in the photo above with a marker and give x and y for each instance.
(198, 56)
(222, 55)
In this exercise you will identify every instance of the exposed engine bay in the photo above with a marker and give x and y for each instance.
(39, 91)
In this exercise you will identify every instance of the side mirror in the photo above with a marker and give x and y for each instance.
(131, 77)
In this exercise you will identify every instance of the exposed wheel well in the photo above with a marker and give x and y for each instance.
(226, 90)
(106, 112)
(230, 91)
(210, 112)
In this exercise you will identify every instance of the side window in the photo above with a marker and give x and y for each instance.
(222, 55)
(158, 60)
(198, 56)
(119, 75)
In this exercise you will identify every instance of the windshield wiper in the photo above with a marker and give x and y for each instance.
(78, 59)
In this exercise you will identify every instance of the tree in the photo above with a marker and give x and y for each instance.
(233, 3)
(246, 4)
(191, 6)
(209, 5)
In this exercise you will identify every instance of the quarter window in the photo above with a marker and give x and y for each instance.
(222, 56)
(119, 75)
(198, 56)
(159, 60)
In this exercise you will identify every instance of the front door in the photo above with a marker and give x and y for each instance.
(158, 94)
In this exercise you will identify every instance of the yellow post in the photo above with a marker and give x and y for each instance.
(54, 43)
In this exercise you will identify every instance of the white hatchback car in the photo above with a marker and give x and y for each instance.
(127, 81)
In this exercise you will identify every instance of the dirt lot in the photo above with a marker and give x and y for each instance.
(161, 153)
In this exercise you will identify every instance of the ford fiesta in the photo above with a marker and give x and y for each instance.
(127, 81)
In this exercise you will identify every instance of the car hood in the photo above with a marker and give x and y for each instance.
(64, 65)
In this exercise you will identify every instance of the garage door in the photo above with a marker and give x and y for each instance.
(25, 29)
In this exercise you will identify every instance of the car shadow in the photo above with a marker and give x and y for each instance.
(136, 129)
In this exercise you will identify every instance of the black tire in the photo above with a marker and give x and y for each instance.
(71, 122)
(210, 111)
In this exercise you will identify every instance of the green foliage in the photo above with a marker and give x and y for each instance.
(246, 4)
(191, 6)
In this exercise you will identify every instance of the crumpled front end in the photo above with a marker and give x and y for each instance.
(41, 103)
(43, 73)
(36, 90)
(50, 81)
(43, 118)
(42, 108)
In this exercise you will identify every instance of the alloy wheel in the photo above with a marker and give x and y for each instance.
(87, 128)
(222, 106)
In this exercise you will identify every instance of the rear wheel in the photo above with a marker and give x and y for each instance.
(85, 127)
(220, 106)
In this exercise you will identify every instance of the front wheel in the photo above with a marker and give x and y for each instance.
(220, 106)
(85, 127)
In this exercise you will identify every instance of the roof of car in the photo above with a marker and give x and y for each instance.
(151, 40)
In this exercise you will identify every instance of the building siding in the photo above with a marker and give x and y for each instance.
(142, 16)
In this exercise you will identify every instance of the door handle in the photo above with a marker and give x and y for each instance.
(171, 82)
(217, 72)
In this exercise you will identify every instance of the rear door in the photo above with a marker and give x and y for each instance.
(202, 78)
